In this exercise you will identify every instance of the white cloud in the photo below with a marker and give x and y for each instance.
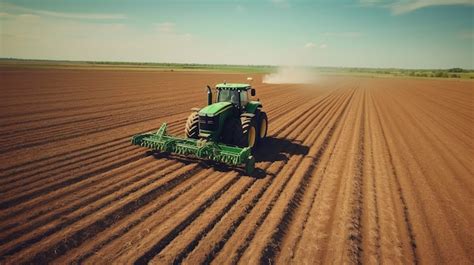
(79, 15)
(68, 15)
(312, 45)
(401, 7)
(166, 27)
(28, 16)
(398, 7)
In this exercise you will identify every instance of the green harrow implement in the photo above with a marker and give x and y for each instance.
(199, 148)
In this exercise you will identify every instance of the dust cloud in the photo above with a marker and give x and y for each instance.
(291, 75)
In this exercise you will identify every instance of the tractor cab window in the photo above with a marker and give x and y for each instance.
(225, 95)
(244, 98)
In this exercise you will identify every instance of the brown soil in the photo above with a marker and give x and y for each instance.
(355, 170)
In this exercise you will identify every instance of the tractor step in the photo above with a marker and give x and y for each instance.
(230, 155)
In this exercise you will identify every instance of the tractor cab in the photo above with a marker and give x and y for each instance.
(237, 94)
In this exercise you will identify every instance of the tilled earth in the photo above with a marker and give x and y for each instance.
(355, 169)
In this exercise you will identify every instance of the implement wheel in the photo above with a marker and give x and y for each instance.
(250, 165)
(192, 126)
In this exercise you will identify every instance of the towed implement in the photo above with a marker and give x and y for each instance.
(225, 131)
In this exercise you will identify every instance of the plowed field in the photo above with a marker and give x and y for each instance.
(355, 169)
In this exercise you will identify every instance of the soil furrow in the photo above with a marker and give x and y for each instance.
(126, 207)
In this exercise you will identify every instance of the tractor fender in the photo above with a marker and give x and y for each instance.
(252, 106)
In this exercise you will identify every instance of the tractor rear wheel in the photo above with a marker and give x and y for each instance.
(262, 126)
(192, 126)
(249, 132)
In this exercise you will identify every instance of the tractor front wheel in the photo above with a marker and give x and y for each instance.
(192, 126)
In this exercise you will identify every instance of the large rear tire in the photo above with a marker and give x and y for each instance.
(249, 132)
(262, 126)
(191, 130)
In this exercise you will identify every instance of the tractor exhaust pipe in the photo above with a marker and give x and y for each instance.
(209, 95)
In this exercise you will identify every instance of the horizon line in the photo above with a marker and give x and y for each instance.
(220, 64)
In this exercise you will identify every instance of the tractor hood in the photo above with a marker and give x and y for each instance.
(215, 109)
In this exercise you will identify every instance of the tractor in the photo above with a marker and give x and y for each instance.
(227, 130)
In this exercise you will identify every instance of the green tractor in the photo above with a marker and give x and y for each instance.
(225, 131)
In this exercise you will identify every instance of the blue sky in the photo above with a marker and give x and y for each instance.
(365, 33)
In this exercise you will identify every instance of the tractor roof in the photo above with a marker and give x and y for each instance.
(233, 86)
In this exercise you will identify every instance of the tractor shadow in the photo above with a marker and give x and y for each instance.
(270, 149)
